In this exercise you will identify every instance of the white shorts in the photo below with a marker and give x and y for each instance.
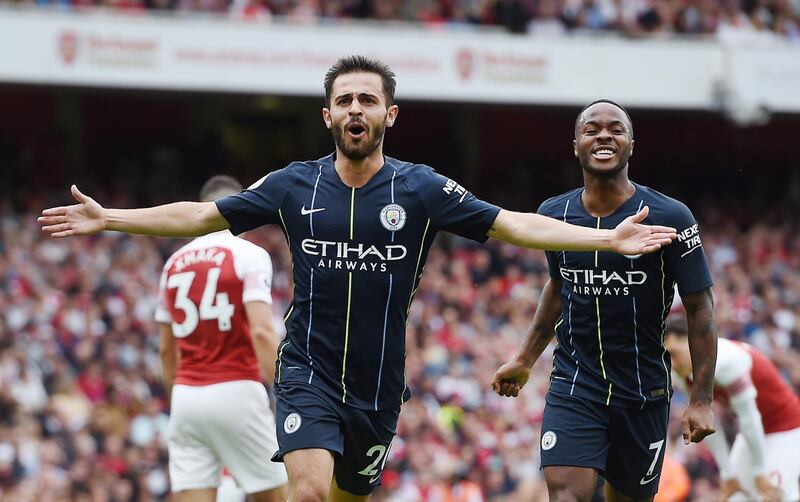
(780, 458)
(227, 424)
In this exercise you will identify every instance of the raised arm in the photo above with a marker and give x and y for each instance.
(512, 376)
(698, 419)
(541, 232)
(179, 219)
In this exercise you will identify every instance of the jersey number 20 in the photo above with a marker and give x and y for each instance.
(213, 305)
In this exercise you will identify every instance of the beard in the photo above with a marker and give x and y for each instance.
(358, 150)
(586, 158)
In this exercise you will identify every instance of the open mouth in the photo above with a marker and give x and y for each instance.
(357, 131)
(604, 152)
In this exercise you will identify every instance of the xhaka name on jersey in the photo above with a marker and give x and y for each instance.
(192, 257)
(353, 256)
(603, 282)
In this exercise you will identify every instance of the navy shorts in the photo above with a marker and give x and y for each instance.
(359, 439)
(625, 445)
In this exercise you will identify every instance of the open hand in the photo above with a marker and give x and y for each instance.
(85, 218)
(510, 378)
(632, 238)
(698, 422)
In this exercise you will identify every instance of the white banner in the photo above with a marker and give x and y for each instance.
(766, 78)
(274, 58)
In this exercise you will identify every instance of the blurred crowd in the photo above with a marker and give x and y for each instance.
(83, 415)
(728, 19)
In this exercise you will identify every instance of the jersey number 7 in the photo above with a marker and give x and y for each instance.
(213, 305)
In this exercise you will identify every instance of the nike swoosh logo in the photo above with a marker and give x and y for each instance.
(643, 482)
(305, 211)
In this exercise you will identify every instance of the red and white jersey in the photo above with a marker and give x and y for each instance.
(204, 286)
(740, 367)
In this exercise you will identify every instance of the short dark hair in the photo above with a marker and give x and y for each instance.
(360, 64)
(677, 326)
(219, 186)
(578, 120)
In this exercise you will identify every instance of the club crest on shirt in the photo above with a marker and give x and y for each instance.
(292, 423)
(549, 439)
(393, 217)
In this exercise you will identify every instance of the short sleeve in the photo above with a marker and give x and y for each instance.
(257, 205)
(163, 314)
(451, 207)
(685, 257)
(257, 277)
(552, 256)
(732, 371)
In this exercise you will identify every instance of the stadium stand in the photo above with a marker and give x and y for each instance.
(751, 19)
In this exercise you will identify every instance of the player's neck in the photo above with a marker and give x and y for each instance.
(602, 195)
(357, 173)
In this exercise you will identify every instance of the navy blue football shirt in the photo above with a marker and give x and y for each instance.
(614, 307)
(358, 254)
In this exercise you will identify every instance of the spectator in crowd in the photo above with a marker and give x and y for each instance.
(732, 21)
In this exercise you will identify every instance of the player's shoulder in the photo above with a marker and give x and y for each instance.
(733, 360)
(418, 177)
(661, 204)
(409, 169)
(554, 206)
(295, 170)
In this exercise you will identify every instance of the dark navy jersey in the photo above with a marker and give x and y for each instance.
(358, 254)
(614, 307)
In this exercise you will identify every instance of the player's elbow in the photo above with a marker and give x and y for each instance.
(510, 227)
(209, 218)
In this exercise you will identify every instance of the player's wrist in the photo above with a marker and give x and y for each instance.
(700, 401)
(609, 241)
(527, 360)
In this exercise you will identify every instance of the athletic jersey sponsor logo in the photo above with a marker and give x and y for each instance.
(451, 187)
(603, 282)
(690, 238)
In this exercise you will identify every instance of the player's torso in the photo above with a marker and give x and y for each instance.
(357, 254)
(204, 295)
(368, 232)
(610, 334)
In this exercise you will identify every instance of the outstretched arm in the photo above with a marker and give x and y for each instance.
(698, 419)
(512, 376)
(537, 231)
(179, 219)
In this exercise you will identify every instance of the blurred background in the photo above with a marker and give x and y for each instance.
(139, 101)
